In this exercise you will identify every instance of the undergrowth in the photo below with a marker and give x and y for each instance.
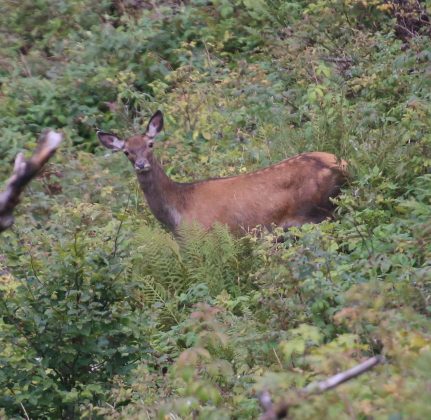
(105, 314)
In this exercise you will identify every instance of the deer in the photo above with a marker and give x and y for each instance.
(293, 192)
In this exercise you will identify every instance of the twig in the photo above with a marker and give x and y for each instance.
(278, 411)
(23, 172)
(21, 404)
(25, 65)
(338, 59)
(114, 252)
(276, 356)
(25, 411)
(339, 378)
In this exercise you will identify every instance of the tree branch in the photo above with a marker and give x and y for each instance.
(339, 378)
(23, 172)
(279, 411)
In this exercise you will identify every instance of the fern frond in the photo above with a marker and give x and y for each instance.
(165, 268)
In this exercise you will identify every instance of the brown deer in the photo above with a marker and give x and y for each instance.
(290, 193)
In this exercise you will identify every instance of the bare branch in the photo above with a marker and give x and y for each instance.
(347, 60)
(279, 411)
(339, 378)
(25, 411)
(23, 172)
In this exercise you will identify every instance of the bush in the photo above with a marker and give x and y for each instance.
(70, 322)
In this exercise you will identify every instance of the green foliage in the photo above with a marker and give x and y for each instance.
(104, 314)
(69, 319)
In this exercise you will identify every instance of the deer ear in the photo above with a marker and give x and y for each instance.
(155, 125)
(110, 141)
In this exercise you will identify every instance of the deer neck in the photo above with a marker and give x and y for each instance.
(161, 194)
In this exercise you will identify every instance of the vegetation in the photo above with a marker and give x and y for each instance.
(105, 314)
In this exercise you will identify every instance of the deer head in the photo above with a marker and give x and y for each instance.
(138, 148)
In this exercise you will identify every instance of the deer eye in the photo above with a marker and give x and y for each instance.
(150, 145)
(126, 153)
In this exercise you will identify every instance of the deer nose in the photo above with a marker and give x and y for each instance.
(142, 166)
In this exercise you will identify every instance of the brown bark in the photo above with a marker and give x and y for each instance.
(23, 172)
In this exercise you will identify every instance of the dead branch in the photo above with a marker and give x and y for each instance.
(344, 60)
(339, 378)
(23, 172)
(279, 411)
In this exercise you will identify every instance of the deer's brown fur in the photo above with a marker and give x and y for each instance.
(290, 193)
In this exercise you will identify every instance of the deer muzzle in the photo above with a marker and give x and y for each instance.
(142, 166)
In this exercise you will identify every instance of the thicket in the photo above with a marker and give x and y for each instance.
(104, 314)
